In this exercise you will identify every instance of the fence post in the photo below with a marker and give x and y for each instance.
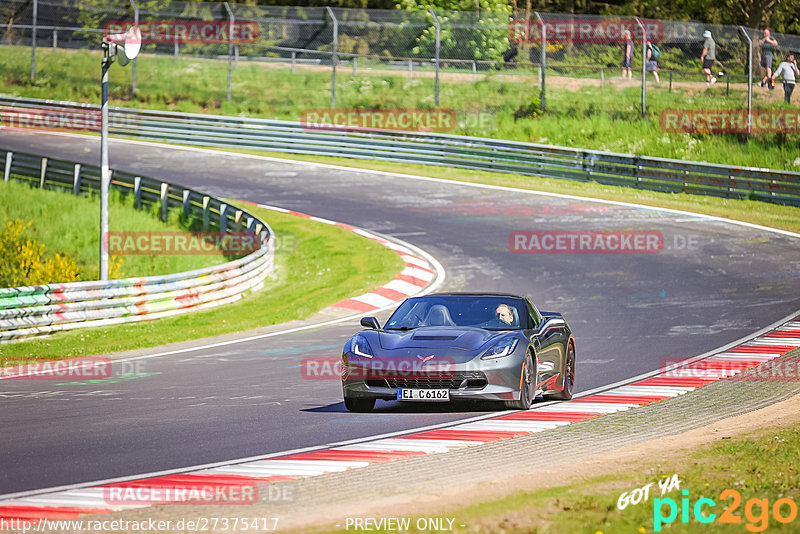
(355, 66)
(7, 172)
(236, 56)
(175, 50)
(76, 179)
(410, 69)
(294, 58)
(33, 38)
(438, 48)
(542, 59)
(55, 39)
(230, 45)
(602, 77)
(644, 66)
(137, 192)
(743, 32)
(206, 202)
(43, 172)
(186, 204)
(135, 23)
(223, 218)
(164, 191)
(474, 70)
(670, 81)
(335, 55)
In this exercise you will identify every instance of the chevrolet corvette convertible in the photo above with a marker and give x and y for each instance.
(447, 347)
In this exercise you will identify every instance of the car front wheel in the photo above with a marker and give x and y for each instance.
(358, 404)
(526, 392)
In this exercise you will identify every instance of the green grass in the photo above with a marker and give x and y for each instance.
(762, 465)
(316, 265)
(753, 211)
(70, 225)
(589, 117)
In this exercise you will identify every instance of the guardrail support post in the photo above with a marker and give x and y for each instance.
(206, 214)
(7, 171)
(474, 71)
(137, 192)
(55, 39)
(543, 60)
(42, 172)
(294, 60)
(76, 179)
(164, 191)
(187, 206)
(438, 48)
(230, 45)
(335, 55)
(175, 50)
(223, 218)
(355, 66)
(410, 69)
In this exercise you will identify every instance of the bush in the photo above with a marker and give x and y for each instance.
(23, 262)
(531, 110)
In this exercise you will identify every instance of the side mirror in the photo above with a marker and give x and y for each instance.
(370, 322)
(550, 323)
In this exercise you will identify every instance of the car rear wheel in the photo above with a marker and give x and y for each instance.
(358, 404)
(569, 376)
(527, 388)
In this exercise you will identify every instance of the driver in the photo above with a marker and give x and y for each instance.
(504, 313)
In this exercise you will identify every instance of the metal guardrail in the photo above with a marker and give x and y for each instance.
(658, 174)
(44, 309)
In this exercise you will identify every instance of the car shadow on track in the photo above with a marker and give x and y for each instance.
(383, 407)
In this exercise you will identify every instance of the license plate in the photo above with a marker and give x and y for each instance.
(423, 395)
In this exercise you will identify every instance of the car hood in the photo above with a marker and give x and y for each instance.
(464, 338)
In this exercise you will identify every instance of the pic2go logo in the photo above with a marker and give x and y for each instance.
(756, 511)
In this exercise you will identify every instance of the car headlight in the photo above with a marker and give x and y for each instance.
(504, 347)
(360, 347)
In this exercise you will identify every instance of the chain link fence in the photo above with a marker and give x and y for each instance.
(551, 50)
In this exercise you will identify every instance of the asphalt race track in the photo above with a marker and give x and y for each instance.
(710, 284)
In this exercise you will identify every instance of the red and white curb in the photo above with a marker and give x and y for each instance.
(418, 274)
(173, 487)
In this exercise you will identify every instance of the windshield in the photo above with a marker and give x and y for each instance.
(489, 313)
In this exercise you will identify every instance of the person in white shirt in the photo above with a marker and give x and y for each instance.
(790, 72)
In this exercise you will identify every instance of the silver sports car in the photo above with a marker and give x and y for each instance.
(451, 346)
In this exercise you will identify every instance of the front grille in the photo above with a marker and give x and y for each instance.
(457, 380)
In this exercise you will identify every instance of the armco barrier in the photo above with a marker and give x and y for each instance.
(34, 310)
(659, 174)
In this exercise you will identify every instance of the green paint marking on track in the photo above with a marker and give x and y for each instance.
(109, 380)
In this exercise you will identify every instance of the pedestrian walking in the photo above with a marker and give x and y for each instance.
(790, 72)
(653, 53)
(768, 46)
(708, 57)
(627, 52)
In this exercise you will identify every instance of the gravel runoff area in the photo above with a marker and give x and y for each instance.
(431, 482)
